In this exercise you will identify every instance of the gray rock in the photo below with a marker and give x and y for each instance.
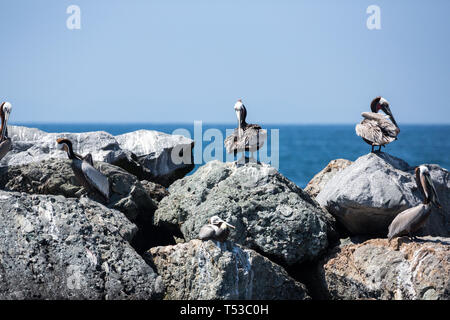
(156, 191)
(271, 214)
(367, 195)
(160, 153)
(128, 194)
(56, 177)
(377, 269)
(151, 161)
(319, 181)
(52, 247)
(221, 271)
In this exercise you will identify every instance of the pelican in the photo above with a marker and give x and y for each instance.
(246, 137)
(84, 170)
(216, 229)
(5, 141)
(376, 129)
(410, 220)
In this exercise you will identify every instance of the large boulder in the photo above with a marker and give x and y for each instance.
(52, 247)
(271, 214)
(379, 269)
(152, 160)
(56, 177)
(209, 270)
(367, 195)
(168, 157)
(319, 181)
(136, 199)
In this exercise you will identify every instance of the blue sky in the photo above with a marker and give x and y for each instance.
(180, 61)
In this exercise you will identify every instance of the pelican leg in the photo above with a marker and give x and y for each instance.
(372, 149)
(241, 160)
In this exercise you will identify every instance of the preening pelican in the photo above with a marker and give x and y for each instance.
(376, 129)
(5, 141)
(216, 229)
(246, 137)
(410, 220)
(84, 170)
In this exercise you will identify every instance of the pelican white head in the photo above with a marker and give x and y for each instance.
(7, 108)
(6, 111)
(217, 221)
(423, 170)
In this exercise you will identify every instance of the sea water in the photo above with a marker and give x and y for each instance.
(304, 150)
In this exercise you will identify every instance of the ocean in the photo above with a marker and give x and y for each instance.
(304, 150)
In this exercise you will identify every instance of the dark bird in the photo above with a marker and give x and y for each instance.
(376, 129)
(216, 229)
(246, 137)
(5, 141)
(410, 220)
(83, 167)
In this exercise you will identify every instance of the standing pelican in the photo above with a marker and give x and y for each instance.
(410, 220)
(217, 229)
(246, 137)
(376, 129)
(5, 141)
(84, 170)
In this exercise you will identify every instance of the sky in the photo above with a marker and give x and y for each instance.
(305, 62)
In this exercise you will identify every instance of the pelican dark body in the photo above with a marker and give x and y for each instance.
(216, 229)
(246, 137)
(83, 167)
(375, 129)
(5, 141)
(411, 220)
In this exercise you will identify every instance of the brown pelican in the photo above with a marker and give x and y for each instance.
(217, 229)
(410, 220)
(376, 129)
(84, 170)
(246, 137)
(5, 141)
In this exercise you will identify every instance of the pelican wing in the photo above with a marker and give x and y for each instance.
(207, 232)
(5, 146)
(408, 221)
(377, 129)
(252, 138)
(88, 158)
(95, 178)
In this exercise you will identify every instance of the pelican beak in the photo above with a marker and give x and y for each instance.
(387, 110)
(433, 197)
(231, 226)
(6, 122)
(238, 115)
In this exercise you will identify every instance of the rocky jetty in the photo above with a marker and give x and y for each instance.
(144, 153)
(209, 270)
(271, 214)
(53, 247)
(367, 195)
(57, 242)
(378, 269)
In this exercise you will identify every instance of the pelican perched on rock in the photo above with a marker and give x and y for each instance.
(246, 137)
(84, 170)
(376, 129)
(5, 141)
(410, 220)
(216, 229)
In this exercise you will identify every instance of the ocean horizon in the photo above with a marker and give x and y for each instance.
(304, 149)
